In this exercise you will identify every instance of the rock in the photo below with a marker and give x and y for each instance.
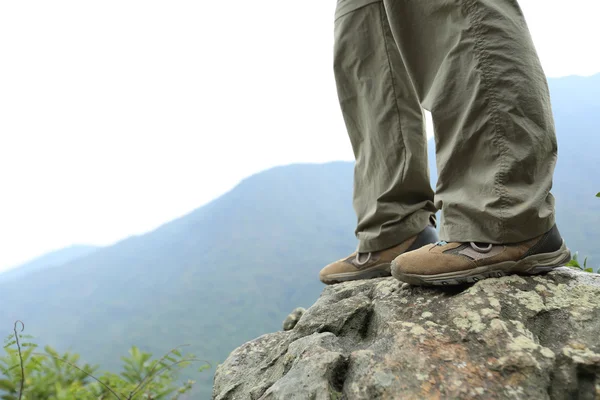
(292, 319)
(505, 338)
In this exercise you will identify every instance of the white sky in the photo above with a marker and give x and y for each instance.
(117, 116)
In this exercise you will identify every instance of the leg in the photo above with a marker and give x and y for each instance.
(475, 67)
(393, 199)
(392, 196)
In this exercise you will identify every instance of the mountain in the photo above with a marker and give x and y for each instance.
(217, 277)
(49, 260)
(233, 269)
(576, 105)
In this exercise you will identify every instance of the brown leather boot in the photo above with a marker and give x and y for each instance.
(374, 264)
(455, 263)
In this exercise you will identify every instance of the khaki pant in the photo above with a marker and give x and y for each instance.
(471, 63)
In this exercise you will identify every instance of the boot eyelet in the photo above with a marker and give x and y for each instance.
(484, 250)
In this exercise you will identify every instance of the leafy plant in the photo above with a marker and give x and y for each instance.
(574, 263)
(27, 374)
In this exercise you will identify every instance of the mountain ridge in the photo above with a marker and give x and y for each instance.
(51, 259)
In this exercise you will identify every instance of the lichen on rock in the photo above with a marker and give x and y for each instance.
(503, 338)
(292, 319)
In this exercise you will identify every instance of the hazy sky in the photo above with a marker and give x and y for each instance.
(117, 116)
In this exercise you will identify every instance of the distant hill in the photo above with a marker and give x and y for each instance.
(232, 270)
(49, 260)
(576, 105)
(222, 275)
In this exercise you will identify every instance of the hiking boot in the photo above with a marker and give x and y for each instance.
(375, 264)
(445, 263)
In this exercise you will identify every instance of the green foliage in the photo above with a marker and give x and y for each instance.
(53, 376)
(598, 195)
(574, 263)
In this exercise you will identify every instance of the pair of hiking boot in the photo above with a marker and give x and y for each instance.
(423, 260)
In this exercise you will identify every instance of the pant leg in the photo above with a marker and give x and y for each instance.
(393, 199)
(475, 67)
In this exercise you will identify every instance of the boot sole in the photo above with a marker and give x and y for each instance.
(377, 271)
(532, 265)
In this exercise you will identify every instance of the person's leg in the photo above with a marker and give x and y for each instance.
(393, 199)
(475, 67)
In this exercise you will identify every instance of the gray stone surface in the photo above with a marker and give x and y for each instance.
(506, 338)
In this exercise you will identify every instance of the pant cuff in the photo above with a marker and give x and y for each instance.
(394, 235)
(495, 232)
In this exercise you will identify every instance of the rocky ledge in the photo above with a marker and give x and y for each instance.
(506, 338)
